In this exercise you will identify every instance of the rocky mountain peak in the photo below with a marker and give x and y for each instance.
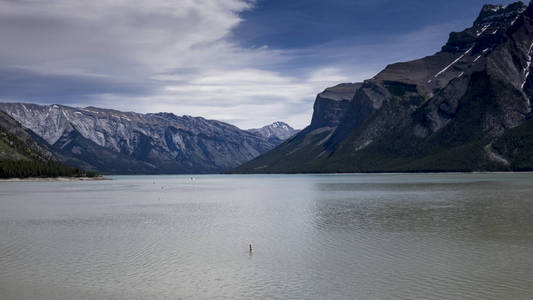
(276, 132)
(281, 125)
(500, 13)
(493, 21)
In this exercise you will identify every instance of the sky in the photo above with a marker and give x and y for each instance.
(245, 62)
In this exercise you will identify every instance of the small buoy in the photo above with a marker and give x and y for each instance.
(251, 249)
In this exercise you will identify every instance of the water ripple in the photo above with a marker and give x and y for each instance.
(315, 237)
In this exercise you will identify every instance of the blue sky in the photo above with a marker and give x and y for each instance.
(245, 62)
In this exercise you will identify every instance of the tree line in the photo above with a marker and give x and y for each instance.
(25, 169)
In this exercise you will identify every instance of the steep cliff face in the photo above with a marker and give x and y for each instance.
(125, 142)
(444, 112)
(331, 105)
(309, 144)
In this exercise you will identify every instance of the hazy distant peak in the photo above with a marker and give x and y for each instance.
(279, 130)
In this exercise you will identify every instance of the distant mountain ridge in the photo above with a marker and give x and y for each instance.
(112, 141)
(465, 108)
(276, 132)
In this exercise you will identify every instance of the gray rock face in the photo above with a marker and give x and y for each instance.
(437, 113)
(331, 105)
(276, 132)
(33, 150)
(127, 142)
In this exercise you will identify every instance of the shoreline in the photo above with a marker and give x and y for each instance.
(103, 178)
(384, 173)
(54, 179)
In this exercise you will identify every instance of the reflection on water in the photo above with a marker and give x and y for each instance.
(450, 236)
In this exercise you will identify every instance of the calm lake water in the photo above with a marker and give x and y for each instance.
(388, 236)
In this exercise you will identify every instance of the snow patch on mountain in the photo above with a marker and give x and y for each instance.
(278, 130)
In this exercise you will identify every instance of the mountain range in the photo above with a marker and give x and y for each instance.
(465, 108)
(111, 141)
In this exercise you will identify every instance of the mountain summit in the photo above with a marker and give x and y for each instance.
(465, 108)
(276, 132)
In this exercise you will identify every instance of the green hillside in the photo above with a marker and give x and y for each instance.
(21, 156)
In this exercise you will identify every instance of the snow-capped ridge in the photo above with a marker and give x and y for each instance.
(277, 130)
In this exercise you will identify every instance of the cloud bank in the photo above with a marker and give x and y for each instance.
(144, 56)
(175, 56)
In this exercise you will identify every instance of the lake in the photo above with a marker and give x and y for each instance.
(361, 236)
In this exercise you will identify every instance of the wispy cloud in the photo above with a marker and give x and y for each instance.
(177, 56)
(145, 56)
